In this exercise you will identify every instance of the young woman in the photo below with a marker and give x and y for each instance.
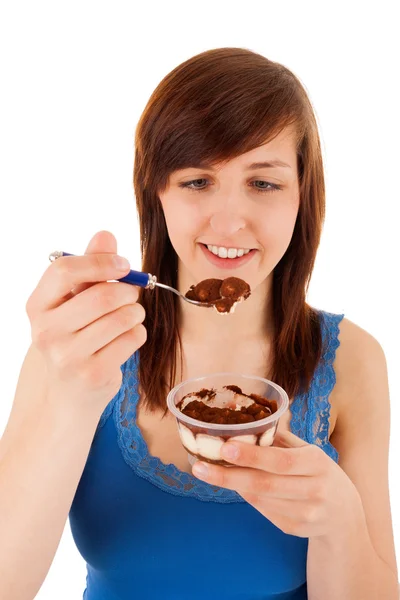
(229, 180)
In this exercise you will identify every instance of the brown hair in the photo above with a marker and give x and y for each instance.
(214, 107)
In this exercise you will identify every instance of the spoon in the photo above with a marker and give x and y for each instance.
(144, 280)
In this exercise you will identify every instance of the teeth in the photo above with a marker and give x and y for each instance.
(223, 252)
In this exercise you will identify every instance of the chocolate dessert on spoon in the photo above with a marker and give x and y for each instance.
(222, 294)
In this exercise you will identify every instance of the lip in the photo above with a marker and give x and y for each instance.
(227, 263)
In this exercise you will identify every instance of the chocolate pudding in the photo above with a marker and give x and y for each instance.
(222, 294)
(228, 406)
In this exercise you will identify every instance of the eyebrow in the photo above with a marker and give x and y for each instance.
(271, 164)
(268, 165)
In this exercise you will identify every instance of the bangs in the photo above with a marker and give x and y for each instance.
(210, 116)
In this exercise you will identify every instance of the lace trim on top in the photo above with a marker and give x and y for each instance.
(309, 421)
(311, 411)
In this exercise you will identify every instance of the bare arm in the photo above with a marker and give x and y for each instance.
(359, 562)
(71, 372)
(42, 456)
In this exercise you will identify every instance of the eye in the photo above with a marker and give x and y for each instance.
(266, 186)
(188, 184)
(198, 185)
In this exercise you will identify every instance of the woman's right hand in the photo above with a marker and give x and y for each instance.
(85, 326)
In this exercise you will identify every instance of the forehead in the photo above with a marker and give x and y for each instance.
(278, 153)
(281, 149)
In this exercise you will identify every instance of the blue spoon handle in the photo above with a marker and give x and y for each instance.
(134, 277)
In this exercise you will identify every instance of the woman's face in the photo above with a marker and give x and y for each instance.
(236, 219)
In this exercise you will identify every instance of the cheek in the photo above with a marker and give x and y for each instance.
(183, 222)
(276, 227)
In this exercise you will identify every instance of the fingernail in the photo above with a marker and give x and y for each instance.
(200, 469)
(121, 263)
(230, 451)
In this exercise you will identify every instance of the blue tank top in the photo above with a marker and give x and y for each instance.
(150, 531)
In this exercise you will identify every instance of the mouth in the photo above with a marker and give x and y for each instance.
(227, 258)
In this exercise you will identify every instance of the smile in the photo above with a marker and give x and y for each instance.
(227, 258)
(223, 252)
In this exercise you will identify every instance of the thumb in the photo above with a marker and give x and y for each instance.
(103, 242)
(287, 439)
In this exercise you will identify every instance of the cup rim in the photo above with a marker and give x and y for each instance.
(226, 426)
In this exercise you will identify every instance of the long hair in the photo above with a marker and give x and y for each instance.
(214, 107)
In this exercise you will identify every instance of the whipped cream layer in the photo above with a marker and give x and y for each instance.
(224, 398)
(207, 447)
(236, 407)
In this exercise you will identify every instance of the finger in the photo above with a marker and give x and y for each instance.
(275, 508)
(287, 439)
(245, 480)
(67, 272)
(105, 330)
(45, 296)
(286, 515)
(303, 460)
(103, 242)
(90, 305)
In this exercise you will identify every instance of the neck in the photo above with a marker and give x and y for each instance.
(251, 319)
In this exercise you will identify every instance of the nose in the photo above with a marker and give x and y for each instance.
(225, 224)
(227, 220)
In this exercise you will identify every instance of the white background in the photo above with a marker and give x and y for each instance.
(75, 78)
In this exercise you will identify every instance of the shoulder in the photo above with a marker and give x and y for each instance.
(353, 334)
(355, 348)
(359, 353)
(361, 376)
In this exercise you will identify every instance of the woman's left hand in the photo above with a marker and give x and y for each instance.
(295, 485)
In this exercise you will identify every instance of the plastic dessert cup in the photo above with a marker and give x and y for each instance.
(203, 440)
